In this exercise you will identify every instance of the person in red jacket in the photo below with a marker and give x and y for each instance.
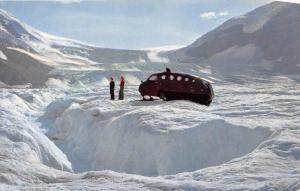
(121, 92)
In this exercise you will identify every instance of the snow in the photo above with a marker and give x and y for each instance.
(116, 144)
(165, 48)
(32, 55)
(56, 83)
(254, 142)
(153, 56)
(16, 129)
(25, 86)
(2, 56)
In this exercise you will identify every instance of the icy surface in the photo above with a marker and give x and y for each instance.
(247, 139)
(17, 129)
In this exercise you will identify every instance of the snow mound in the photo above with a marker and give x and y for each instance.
(24, 135)
(100, 139)
(56, 83)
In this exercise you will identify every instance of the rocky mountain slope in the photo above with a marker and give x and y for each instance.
(265, 40)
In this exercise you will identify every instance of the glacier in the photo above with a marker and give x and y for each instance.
(251, 145)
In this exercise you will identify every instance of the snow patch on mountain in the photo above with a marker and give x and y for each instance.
(3, 85)
(236, 54)
(154, 57)
(2, 56)
(255, 22)
(256, 19)
(229, 61)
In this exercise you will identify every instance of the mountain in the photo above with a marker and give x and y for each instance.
(29, 56)
(265, 40)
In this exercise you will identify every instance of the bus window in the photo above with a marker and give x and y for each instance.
(179, 78)
(163, 77)
(186, 79)
(171, 77)
(153, 78)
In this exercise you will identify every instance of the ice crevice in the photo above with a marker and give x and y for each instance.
(148, 140)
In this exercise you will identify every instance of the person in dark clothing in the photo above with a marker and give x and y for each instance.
(121, 92)
(112, 88)
(168, 70)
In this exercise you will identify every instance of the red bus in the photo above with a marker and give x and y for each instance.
(176, 86)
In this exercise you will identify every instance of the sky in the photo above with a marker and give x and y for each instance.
(129, 24)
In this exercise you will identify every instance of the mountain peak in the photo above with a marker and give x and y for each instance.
(4, 15)
(275, 6)
(275, 3)
(254, 20)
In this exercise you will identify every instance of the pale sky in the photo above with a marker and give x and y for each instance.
(129, 24)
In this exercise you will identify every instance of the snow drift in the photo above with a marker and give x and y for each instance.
(18, 135)
(131, 142)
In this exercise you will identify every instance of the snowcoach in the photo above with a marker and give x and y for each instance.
(175, 86)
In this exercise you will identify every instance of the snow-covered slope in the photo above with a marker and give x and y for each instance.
(248, 139)
(22, 143)
(30, 56)
(185, 142)
(24, 62)
(265, 40)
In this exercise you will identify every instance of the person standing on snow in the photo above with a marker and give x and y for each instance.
(121, 92)
(112, 88)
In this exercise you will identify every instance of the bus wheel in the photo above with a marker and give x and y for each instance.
(162, 96)
(147, 98)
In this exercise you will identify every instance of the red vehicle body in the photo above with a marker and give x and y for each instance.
(176, 86)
